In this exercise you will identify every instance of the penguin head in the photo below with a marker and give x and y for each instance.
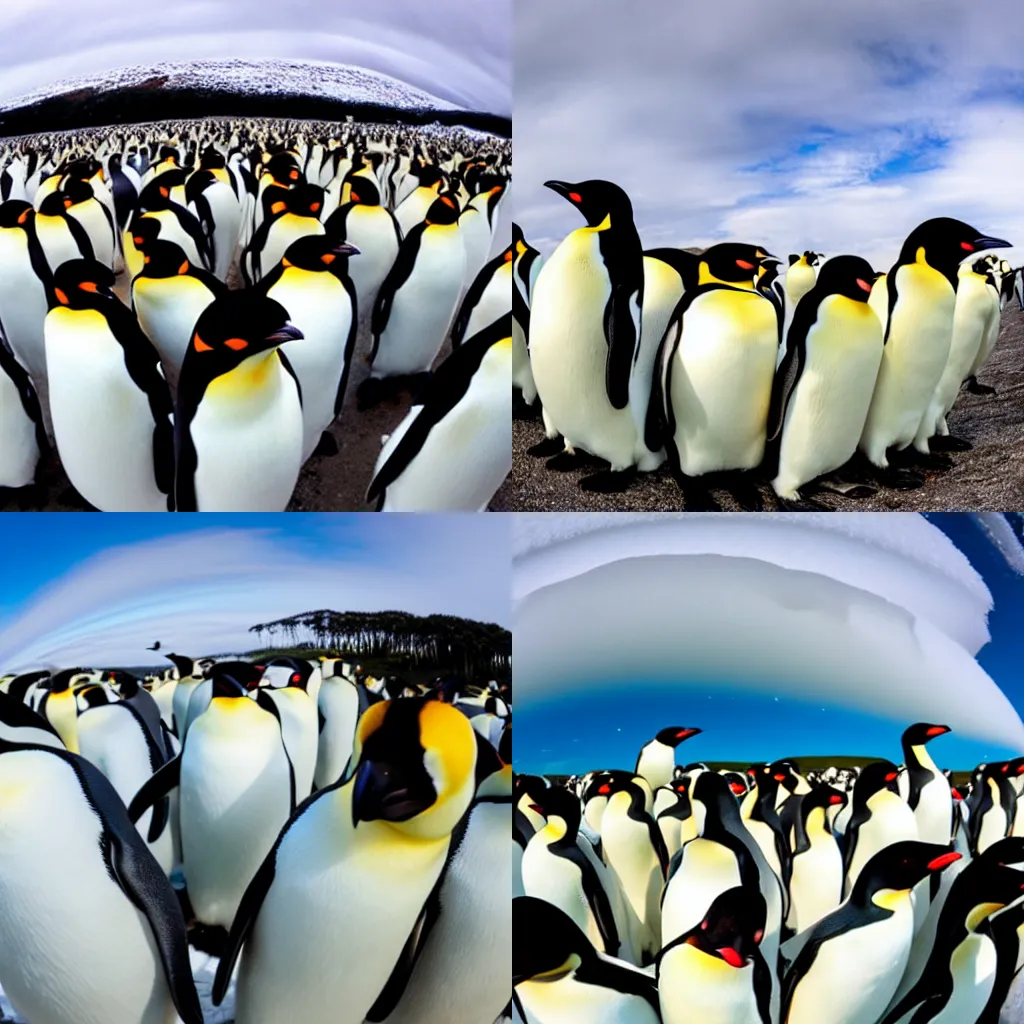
(822, 796)
(415, 764)
(234, 327)
(732, 262)
(198, 182)
(183, 664)
(849, 276)
(300, 673)
(597, 200)
(94, 696)
(921, 733)
(143, 231)
(60, 682)
(302, 201)
(83, 284)
(54, 205)
(874, 778)
(430, 176)
(443, 210)
(164, 259)
(363, 190)
(284, 169)
(549, 944)
(127, 684)
(675, 734)
(713, 801)
(232, 679)
(943, 243)
(84, 169)
(732, 928)
(16, 213)
(898, 868)
(212, 159)
(812, 257)
(318, 254)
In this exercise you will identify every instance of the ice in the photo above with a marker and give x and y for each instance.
(898, 556)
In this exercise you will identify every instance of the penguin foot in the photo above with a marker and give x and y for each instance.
(847, 488)
(938, 463)
(567, 461)
(546, 448)
(949, 443)
(70, 496)
(979, 389)
(609, 481)
(326, 447)
(369, 394)
(900, 479)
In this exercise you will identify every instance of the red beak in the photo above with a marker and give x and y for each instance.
(940, 862)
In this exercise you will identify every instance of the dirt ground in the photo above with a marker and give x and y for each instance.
(990, 477)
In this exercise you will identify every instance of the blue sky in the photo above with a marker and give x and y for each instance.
(607, 729)
(100, 589)
(832, 127)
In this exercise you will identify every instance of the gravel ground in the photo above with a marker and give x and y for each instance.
(990, 477)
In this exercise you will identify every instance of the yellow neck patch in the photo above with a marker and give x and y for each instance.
(246, 379)
(891, 899)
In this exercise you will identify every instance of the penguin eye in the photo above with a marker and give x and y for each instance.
(183, 269)
(278, 207)
(237, 344)
(314, 207)
(508, 256)
(148, 259)
(164, 191)
(68, 204)
(353, 197)
(328, 257)
(447, 201)
(744, 265)
(61, 297)
(23, 217)
(575, 197)
(89, 286)
(293, 175)
(967, 246)
(200, 345)
(863, 285)
(138, 239)
(758, 936)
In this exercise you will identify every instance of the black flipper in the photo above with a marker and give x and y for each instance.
(266, 702)
(156, 786)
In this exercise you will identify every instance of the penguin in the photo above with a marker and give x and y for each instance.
(414, 207)
(110, 403)
(52, 916)
(476, 226)
(657, 758)
(22, 434)
(189, 677)
(215, 204)
(921, 290)
(853, 958)
(237, 789)
(381, 839)
(928, 792)
(82, 204)
(989, 338)
(674, 815)
(526, 266)
(168, 296)
(20, 724)
(715, 372)
(800, 277)
(341, 703)
(584, 331)
(417, 300)
(297, 712)
(60, 235)
(815, 876)
(473, 930)
(177, 223)
(824, 384)
(716, 973)
(1007, 931)
(992, 806)
(312, 282)
(291, 214)
(488, 299)
(453, 449)
(238, 419)
(125, 186)
(559, 978)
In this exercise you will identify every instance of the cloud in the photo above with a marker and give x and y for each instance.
(200, 592)
(454, 49)
(831, 127)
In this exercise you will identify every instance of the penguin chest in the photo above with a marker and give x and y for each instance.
(371, 230)
(707, 870)
(656, 763)
(973, 967)
(697, 988)
(891, 821)
(934, 811)
(495, 302)
(721, 381)
(628, 852)
(800, 280)
(299, 729)
(168, 309)
(558, 880)
(571, 1002)
(57, 242)
(285, 230)
(816, 885)
(22, 302)
(94, 222)
(20, 450)
(171, 230)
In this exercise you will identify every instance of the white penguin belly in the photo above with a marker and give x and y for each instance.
(283, 232)
(557, 881)
(52, 968)
(891, 822)
(95, 224)
(414, 208)
(568, 352)
(299, 722)
(697, 988)
(973, 966)
(102, 422)
(339, 704)
(373, 234)
(249, 447)
(172, 231)
(798, 282)
(495, 302)
(168, 310)
(57, 242)
(19, 448)
(567, 1001)
(476, 235)
(816, 885)
(423, 307)
(707, 870)
(22, 305)
(341, 897)
(721, 382)
(522, 372)
(827, 412)
(468, 454)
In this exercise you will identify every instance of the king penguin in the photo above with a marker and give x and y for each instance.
(800, 276)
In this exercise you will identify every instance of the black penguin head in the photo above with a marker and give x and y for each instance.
(430, 175)
(302, 201)
(849, 276)
(182, 663)
(54, 205)
(899, 867)
(945, 243)
(60, 682)
(823, 796)
(284, 169)
(732, 928)
(675, 734)
(77, 191)
(84, 168)
(234, 678)
(164, 259)
(597, 200)
(549, 944)
(318, 253)
(713, 800)
(734, 262)
(83, 284)
(785, 774)
(300, 674)
(212, 159)
(736, 783)
(443, 210)
(363, 190)
(143, 231)
(234, 327)
(873, 779)
(812, 257)
(556, 802)
(94, 696)
(127, 685)
(16, 213)
(198, 183)
(921, 733)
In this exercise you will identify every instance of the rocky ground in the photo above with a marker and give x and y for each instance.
(990, 477)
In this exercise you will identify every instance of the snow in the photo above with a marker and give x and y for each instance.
(269, 77)
(898, 556)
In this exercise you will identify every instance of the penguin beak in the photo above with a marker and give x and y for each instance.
(344, 249)
(983, 243)
(380, 792)
(287, 333)
(563, 188)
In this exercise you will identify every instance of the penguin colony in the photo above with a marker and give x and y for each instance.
(180, 308)
(879, 895)
(834, 376)
(340, 842)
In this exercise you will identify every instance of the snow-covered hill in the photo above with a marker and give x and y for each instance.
(262, 78)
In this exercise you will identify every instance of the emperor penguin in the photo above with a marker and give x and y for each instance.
(921, 290)
(125, 186)
(928, 790)
(853, 958)
(417, 300)
(453, 449)
(815, 881)
(292, 214)
(824, 384)
(657, 759)
(715, 371)
(525, 266)
(716, 973)
(488, 299)
(238, 419)
(169, 294)
(473, 929)
(177, 224)
(215, 204)
(341, 702)
(110, 403)
(674, 814)
(992, 804)
(476, 226)
(297, 712)
(415, 206)
(380, 839)
(559, 978)
(584, 331)
(20, 724)
(800, 276)
(236, 791)
(82, 204)
(189, 676)
(60, 235)
(52, 916)
(988, 341)
(21, 427)
(312, 282)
